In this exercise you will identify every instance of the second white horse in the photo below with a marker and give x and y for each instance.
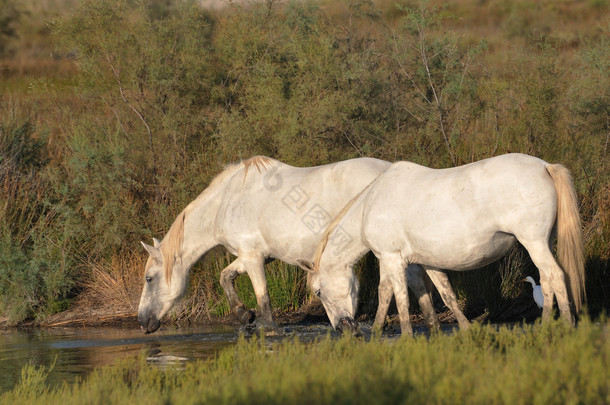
(459, 219)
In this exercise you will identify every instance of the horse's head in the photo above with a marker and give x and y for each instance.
(337, 288)
(161, 290)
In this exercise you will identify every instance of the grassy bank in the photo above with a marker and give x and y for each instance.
(536, 364)
(115, 115)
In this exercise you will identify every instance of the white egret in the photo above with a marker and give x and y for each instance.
(537, 291)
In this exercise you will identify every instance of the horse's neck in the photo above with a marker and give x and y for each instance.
(199, 227)
(345, 245)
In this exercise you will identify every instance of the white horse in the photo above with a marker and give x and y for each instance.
(260, 209)
(460, 219)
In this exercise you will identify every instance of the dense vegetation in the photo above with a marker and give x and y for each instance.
(115, 114)
(540, 364)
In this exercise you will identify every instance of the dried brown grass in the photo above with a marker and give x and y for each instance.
(113, 287)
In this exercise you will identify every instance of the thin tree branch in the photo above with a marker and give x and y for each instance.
(135, 110)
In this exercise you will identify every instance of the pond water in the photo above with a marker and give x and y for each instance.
(75, 352)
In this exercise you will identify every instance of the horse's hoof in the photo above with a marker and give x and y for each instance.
(245, 316)
(248, 317)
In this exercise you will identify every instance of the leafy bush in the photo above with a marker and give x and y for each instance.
(36, 275)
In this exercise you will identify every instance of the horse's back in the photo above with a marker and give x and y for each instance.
(283, 210)
(512, 180)
(472, 208)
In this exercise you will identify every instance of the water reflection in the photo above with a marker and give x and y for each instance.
(77, 351)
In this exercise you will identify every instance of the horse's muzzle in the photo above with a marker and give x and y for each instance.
(149, 324)
(348, 325)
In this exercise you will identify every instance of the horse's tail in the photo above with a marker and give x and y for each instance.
(570, 244)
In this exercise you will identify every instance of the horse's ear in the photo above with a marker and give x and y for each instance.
(156, 242)
(152, 251)
(306, 265)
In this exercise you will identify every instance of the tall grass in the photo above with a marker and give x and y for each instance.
(535, 364)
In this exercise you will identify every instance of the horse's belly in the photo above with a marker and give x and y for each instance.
(465, 254)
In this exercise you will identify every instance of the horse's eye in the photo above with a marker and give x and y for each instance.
(148, 279)
(317, 293)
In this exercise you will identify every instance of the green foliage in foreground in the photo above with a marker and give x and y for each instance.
(539, 364)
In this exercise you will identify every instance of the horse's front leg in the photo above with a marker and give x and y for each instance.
(442, 284)
(384, 294)
(227, 281)
(392, 266)
(256, 271)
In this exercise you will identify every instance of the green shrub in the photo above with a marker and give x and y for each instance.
(36, 275)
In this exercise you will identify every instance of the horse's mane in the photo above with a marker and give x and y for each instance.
(259, 162)
(333, 225)
(172, 243)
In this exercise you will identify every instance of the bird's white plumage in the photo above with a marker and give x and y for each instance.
(537, 292)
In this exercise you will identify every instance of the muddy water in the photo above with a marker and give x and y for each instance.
(75, 352)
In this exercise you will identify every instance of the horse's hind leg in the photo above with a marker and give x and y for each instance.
(549, 297)
(415, 277)
(227, 281)
(552, 281)
(441, 281)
